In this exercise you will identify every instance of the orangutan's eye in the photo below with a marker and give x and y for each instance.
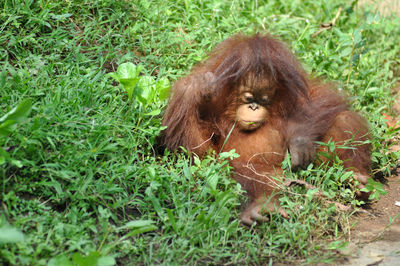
(248, 97)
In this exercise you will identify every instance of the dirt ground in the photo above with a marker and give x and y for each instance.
(375, 240)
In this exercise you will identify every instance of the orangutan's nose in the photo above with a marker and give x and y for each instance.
(253, 106)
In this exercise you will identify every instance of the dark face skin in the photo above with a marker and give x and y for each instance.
(254, 98)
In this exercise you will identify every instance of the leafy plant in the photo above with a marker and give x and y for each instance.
(93, 259)
(8, 124)
(9, 234)
(127, 75)
(375, 188)
(144, 88)
(138, 227)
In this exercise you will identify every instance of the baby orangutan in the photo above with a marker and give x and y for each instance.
(255, 86)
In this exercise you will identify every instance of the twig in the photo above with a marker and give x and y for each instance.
(366, 212)
(204, 142)
(329, 25)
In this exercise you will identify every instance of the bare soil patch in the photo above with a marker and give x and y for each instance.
(375, 239)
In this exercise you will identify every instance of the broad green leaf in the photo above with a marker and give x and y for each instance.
(17, 163)
(212, 180)
(10, 234)
(372, 90)
(137, 224)
(229, 155)
(127, 75)
(7, 127)
(345, 176)
(89, 260)
(114, 76)
(154, 112)
(17, 115)
(127, 71)
(375, 187)
(163, 87)
(93, 259)
(60, 260)
(146, 90)
(54, 185)
(3, 156)
(106, 261)
(197, 161)
(141, 230)
(346, 51)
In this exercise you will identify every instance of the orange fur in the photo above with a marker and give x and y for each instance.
(202, 111)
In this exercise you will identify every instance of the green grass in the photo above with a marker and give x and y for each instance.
(91, 188)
